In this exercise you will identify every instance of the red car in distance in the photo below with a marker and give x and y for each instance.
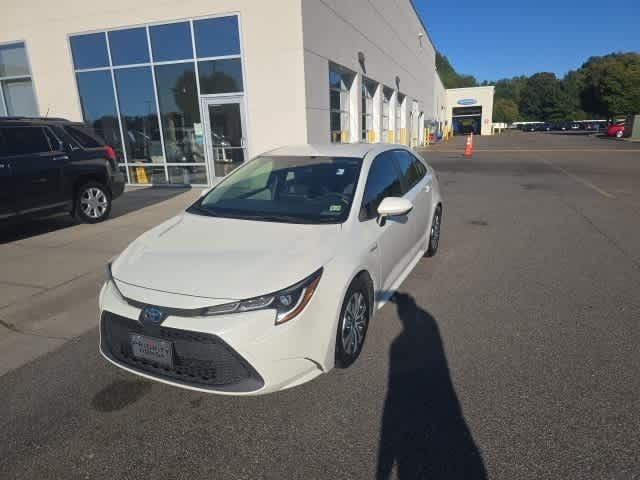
(615, 130)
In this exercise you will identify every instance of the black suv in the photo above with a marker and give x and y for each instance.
(49, 165)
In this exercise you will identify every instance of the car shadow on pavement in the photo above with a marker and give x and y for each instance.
(131, 201)
(423, 429)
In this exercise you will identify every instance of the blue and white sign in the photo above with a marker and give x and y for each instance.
(467, 101)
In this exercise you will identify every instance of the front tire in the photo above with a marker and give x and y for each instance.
(434, 234)
(92, 203)
(353, 324)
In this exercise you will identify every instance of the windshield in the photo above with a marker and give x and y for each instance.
(286, 189)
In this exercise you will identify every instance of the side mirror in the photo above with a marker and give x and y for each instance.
(394, 206)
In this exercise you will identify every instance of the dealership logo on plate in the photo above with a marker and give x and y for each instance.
(467, 101)
(151, 316)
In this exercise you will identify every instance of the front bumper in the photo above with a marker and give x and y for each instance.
(237, 354)
(200, 359)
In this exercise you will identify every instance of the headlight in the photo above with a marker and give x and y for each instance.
(287, 303)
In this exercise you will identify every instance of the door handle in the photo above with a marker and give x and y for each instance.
(59, 158)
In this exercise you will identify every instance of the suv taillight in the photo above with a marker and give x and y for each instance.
(111, 155)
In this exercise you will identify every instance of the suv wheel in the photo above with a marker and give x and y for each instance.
(92, 203)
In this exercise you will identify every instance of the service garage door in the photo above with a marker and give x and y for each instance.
(467, 120)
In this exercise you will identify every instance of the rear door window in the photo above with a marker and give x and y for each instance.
(383, 181)
(25, 140)
(85, 137)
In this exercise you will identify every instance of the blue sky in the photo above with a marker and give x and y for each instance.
(494, 39)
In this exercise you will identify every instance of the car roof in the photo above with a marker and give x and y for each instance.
(356, 150)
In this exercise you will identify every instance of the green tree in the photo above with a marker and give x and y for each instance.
(450, 78)
(542, 98)
(505, 110)
(612, 84)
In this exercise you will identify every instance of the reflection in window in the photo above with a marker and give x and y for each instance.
(217, 37)
(368, 91)
(340, 81)
(99, 106)
(16, 93)
(220, 76)
(387, 133)
(400, 128)
(89, 51)
(192, 174)
(13, 60)
(171, 42)
(19, 99)
(138, 114)
(179, 112)
(147, 175)
(129, 46)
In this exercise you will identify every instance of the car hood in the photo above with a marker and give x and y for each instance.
(222, 258)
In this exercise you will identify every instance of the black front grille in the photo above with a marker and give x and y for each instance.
(199, 359)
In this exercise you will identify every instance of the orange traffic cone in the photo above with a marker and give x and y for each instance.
(468, 149)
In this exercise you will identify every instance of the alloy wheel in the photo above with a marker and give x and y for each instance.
(354, 323)
(94, 202)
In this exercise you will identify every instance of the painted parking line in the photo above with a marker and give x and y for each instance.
(578, 179)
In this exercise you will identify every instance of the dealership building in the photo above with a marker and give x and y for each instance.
(186, 91)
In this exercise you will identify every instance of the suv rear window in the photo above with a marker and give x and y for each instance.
(85, 136)
(23, 141)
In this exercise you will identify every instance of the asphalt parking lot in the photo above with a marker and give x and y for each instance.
(511, 354)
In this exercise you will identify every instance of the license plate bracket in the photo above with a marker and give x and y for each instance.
(152, 350)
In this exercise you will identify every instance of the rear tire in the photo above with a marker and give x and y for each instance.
(92, 203)
(434, 234)
(354, 323)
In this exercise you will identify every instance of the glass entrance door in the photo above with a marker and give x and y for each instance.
(224, 133)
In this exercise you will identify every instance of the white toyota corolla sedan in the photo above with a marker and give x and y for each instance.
(272, 276)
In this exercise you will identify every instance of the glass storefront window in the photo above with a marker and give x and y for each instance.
(99, 106)
(340, 81)
(192, 174)
(129, 46)
(368, 91)
(171, 42)
(138, 114)
(13, 60)
(217, 37)
(220, 76)
(89, 51)
(139, 90)
(143, 175)
(19, 99)
(179, 112)
(16, 88)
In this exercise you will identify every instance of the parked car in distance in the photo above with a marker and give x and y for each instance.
(272, 277)
(48, 165)
(616, 130)
(543, 127)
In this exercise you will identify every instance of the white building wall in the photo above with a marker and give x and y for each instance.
(387, 32)
(271, 39)
(440, 100)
